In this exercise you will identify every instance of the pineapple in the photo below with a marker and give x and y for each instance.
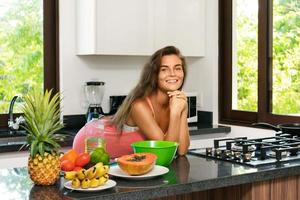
(42, 116)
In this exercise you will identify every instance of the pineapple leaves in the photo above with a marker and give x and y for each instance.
(42, 115)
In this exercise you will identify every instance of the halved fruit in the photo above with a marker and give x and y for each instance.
(137, 163)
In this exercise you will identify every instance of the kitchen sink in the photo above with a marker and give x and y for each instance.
(7, 133)
(12, 138)
(18, 137)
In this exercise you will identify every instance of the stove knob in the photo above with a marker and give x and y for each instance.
(247, 157)
(218, 152)
(237, 155)
(227, 153)
(208, 150)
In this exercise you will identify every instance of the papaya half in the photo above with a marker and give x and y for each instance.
(137, 163)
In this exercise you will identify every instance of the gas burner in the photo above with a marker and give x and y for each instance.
(250, 148)
(284, 154)
(254, 152)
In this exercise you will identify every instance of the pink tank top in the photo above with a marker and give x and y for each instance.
(150, 105)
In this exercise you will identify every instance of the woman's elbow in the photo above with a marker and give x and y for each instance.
(182, 151)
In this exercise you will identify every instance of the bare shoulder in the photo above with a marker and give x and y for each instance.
(139, 112)
(140, 105)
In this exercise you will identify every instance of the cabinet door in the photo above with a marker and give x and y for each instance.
(115, 27)
(181, 23)
(124, 27)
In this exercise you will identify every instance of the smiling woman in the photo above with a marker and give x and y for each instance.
(28, 46)
(157, 108)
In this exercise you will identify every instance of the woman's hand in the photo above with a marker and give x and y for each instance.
(178, 101)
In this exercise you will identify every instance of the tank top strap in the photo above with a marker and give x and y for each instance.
(150, 105)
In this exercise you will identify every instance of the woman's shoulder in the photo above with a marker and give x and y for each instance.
(140, 104)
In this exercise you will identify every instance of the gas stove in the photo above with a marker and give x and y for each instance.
(279, 149)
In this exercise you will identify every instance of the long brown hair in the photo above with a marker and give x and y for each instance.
(147, 84)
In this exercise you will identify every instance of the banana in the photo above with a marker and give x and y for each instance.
(81, 174)
(100, 171)
(85, 183)
(94, 182)
(75, 183)
(70, 175)
(91, 172)
(99, 164)
(102, 180)
(106, 176)
(106, 167)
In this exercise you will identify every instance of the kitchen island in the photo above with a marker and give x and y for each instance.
(190, 177)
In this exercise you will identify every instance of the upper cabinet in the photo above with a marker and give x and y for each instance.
(140, 27)
(181, 23)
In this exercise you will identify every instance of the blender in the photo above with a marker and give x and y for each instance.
(94, 91)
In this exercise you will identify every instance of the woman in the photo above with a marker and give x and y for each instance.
(157, 107)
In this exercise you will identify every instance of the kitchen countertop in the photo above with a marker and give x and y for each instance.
(187, 174)
(11, 144)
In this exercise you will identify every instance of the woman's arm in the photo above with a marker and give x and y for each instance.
(178, 102)
(184, 135)
(177, 131)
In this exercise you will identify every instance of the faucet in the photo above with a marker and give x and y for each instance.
(13, 126)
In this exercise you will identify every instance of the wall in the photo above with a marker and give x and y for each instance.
(121, 73)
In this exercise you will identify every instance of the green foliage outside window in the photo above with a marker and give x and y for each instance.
(21, 50)
(286, 59)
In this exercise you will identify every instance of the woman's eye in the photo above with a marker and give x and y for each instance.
(178, 68)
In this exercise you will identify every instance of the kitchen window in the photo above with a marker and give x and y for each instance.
(28, 50)
(259, 61)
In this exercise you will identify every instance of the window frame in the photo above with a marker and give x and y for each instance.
(246, 118)
(51, 51)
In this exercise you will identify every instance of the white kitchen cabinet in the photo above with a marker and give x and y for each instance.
(114, 27)
(181, 23)
(139, 27)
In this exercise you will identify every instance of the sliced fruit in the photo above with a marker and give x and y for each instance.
(137, 163)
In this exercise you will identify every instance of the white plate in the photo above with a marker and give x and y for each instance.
(156, 171)
(107, 185)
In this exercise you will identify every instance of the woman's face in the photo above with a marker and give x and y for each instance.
(171, 74)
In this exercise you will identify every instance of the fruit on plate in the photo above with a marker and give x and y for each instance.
(67, 165)
(70, 155)
(99, 155)
(42, 116)
(82, 160)
(95, 176)
(137, 163)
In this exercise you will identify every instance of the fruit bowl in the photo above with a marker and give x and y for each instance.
(164, 150)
